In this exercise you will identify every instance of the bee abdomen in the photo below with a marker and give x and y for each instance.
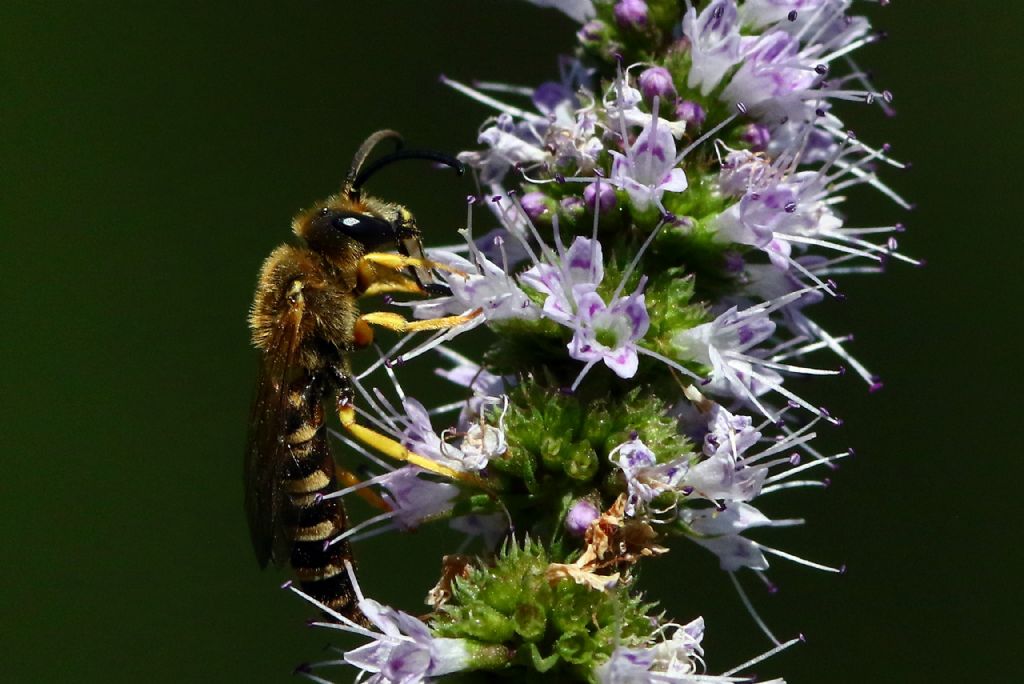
(311, 516)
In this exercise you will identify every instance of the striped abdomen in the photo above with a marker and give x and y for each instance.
(310, 520)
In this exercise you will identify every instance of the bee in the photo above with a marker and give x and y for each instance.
(306, 322)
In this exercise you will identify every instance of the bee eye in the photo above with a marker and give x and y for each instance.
(369, 230)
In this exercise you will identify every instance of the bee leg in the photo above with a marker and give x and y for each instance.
(349, 479)
(372, 281)
(396, 262)
(393, 449)
(396, 322)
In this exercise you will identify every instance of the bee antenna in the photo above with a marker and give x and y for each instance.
(399, 155)
(366, 148)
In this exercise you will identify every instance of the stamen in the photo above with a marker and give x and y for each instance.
(767, 654)
(750, 609)
(475, 94)
(798, 559)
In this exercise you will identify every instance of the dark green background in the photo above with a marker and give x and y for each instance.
(153, 153)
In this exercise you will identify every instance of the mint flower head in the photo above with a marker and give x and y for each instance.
(660, 222)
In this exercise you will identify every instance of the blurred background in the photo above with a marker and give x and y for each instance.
(153, 153)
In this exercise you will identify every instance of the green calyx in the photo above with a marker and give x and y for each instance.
(553, 629)
(559, 449)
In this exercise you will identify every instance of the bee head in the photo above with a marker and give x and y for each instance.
(350, 224)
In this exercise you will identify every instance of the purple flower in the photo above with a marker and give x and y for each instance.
(656, 82)
(648, 169)
(758, 217)
(560, 136)
(630, 14)
(403, 651)
(723, 475)
(510, 145)
(760, 13)
(609, 333)
(727, 344)
(645, 477)
(412, 499)
(678, 659)
(743, 171)
(719, 532)
(690, 112)
(626, 666)
(486, 286)
(480, 443)
(723, 344)
(773, 77)
(578, 271)
(622, 109)
(484, 385)
(714, 43)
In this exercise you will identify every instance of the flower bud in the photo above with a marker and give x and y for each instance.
(603, 198)
(572, 207)
(534, 205)
(757, 136)
(657, 82)
(690, 112)
(580, 516)
(591, 32)
(631, 14)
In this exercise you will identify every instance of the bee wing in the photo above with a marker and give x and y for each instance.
(266, 451)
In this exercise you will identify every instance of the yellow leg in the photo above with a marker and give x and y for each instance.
(397, 262)
(374, 280)
(393, 449)
(349, 479)
(396, 322)
(383, 285)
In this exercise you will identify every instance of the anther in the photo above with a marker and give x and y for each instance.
(792, 15)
